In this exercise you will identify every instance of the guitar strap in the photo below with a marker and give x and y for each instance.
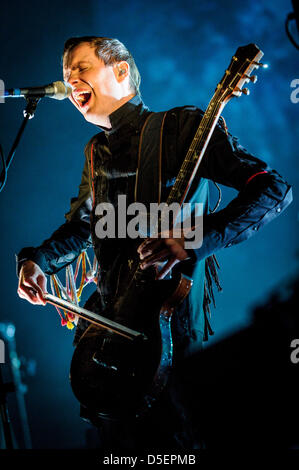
(147, 169)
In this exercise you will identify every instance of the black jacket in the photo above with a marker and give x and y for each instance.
(262, 195)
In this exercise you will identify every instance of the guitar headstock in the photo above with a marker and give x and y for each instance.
(246, 59)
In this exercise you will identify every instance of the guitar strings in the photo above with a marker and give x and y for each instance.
(202, 129)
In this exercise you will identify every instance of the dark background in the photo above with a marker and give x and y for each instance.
(182, 49)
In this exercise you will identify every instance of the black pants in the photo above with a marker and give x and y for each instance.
(166, 426)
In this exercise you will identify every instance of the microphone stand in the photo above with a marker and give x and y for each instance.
(7, 431)
(28, 112)
(20, 390)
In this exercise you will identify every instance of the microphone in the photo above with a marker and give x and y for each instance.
(57, 90)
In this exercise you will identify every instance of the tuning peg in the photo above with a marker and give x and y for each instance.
(260, 64)
(246, 91)
(253, 78)
(243, 90)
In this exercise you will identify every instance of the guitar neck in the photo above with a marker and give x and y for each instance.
(243, 62)
(196, 152)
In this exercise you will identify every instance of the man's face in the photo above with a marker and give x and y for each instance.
(95, 87)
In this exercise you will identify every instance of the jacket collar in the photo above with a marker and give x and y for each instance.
(128, 114)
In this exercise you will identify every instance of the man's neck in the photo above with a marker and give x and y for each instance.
(104, 121)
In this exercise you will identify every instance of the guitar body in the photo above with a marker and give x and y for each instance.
(116, 376)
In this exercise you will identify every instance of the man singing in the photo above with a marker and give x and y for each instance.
(138, 153)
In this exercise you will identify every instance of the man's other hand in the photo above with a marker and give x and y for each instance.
(32, 283)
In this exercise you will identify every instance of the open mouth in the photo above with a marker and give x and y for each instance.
(82, 98)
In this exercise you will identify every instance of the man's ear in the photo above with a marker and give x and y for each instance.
(121, 70)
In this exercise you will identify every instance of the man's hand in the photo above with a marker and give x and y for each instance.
(154, 250)
(32, 283)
